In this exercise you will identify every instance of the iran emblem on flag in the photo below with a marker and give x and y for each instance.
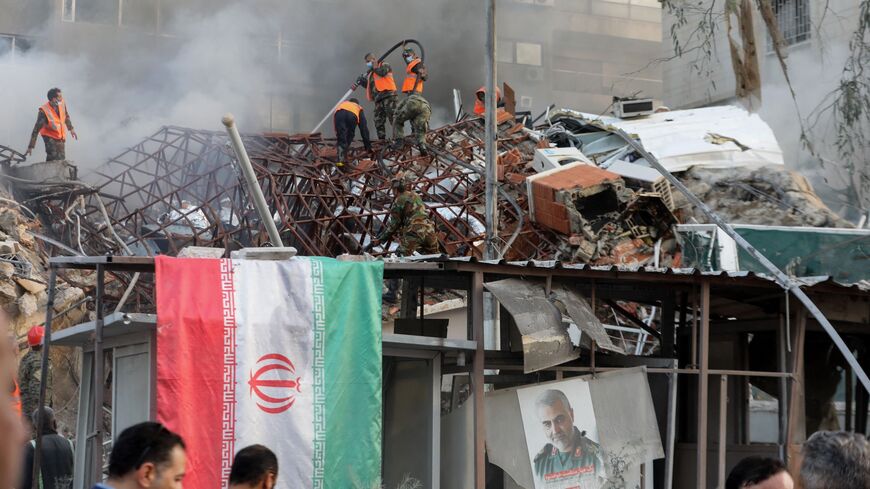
(286, 354)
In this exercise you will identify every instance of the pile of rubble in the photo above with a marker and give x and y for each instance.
(570, 189)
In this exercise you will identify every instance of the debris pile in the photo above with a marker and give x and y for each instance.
(570, 189)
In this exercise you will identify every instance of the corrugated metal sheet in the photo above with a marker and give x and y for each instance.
(681, 139)
(805, 282)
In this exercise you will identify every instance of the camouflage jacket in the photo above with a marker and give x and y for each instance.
(556, 470)
(408, 215)
(29, 376)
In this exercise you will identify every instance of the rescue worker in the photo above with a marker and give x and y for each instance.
(56, 463)
(415, 72)
(480, 100)
(417, 110)
(570, 459)
(347, 117)
(52, 123)
(409, 219)
(30, 372)
(381, 89)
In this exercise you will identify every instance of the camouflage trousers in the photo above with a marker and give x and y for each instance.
(385, 110)
(55, 149)
(425, 244)
(416, 109)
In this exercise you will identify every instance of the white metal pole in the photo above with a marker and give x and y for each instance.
(251, 178)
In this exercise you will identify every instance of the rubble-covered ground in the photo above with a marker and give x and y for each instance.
(24, 297)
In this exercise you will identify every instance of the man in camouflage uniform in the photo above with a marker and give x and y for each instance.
(53, 123)
(416, 109)
(570, 459)
(30, 373)
(381, 89)
(410, 219)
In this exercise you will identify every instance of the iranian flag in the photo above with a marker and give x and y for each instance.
(285, 354)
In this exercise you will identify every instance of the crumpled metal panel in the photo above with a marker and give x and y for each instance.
(582, 315)
(546, 342)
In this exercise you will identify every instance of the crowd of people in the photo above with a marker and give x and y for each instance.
(149, 455)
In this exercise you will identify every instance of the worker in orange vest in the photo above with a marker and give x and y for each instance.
(52, 123)
(381, 89)
(415, 72)
(480, 100)
(347, 117)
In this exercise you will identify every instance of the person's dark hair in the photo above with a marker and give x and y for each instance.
(252, 464)
(140, 444)
(354, 100)
(53, 93)
(836, 460)
(49, 423)
(753, 470)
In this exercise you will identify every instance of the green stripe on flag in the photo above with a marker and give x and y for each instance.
(351, 373)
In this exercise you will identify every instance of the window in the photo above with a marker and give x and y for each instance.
(793, 20)
(132, 13)
(528, 54)
(12, 47)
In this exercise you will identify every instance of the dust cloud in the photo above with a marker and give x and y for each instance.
(276, 66)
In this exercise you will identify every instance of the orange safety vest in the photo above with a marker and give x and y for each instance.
(381, 83)
(411, 79)
(16, 398)
(351, 107)
(480, 105)
(56, 127)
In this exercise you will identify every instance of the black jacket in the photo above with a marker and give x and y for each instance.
(56, 464)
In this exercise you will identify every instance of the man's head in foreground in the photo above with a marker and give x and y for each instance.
(147, 455)
(557, 419)
(254, 467)
(836, 460)
(759, 473)
(10, 423)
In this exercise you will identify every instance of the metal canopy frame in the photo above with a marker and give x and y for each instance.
(693, 290)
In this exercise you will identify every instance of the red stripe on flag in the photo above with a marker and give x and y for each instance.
(196, 362)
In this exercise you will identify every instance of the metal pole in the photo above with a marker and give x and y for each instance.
(723, 433)
(332, 111)
(49, 314)
(784, 280)
(251, 179)
(491, 146)
(99, 374)
(672, 429)
(477, 379)
(703, 384)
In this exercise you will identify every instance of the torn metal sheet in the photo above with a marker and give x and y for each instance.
(680, 138)
(546, 342)
(582, 315)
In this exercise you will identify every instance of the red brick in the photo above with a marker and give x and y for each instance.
(515, 178)
(581, 176)
(559, 212)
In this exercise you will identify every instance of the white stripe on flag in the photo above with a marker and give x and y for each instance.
(274, 379)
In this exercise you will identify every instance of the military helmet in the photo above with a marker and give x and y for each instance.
(407, 51)
(403, 179)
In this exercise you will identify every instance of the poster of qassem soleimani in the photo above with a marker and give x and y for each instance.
(580, 432)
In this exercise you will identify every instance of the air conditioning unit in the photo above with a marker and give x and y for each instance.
(626, 108)
(551, 158)
(534, 74)
(525, 102)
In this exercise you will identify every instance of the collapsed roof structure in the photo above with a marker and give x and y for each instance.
(569, 189)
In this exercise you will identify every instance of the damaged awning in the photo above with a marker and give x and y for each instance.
(541, 321)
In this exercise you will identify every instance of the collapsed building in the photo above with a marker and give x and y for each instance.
(575, 205)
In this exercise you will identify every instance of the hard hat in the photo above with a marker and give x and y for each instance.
(35, 336)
